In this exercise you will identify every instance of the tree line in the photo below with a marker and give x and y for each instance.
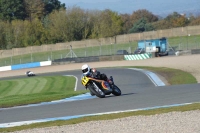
(35, 22)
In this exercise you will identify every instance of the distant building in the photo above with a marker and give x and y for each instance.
(159, 46)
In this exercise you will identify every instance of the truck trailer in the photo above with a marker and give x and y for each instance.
(158, 46)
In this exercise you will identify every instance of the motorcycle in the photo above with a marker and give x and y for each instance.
(30, 73)
(100, 88)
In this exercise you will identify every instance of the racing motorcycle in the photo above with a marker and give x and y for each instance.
(100, 88)
(29, 73)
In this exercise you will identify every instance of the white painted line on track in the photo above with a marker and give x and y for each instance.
(13, 124)
(152, 76)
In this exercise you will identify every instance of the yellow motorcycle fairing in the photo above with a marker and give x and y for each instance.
(85, 80)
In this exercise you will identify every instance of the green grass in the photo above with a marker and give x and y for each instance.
(36, 89)
(174, 76)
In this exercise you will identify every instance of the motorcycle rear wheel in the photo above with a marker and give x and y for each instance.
(116, 91)
(96, 91)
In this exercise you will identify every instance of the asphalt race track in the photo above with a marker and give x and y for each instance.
(138, 91)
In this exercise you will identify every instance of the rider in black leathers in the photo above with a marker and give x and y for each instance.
(92, 72)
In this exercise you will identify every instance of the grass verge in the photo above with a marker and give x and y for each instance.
(36, 89)
(173, 76)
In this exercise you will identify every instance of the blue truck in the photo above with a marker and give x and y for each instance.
(160, 45)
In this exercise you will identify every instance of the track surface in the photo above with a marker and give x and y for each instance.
(137, 92)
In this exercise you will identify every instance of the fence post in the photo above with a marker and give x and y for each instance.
(100, 49)
(11, 60)
(85, 50)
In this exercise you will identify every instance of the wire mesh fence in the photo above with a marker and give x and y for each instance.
(185, 42)
(101, 50)
(177, 43)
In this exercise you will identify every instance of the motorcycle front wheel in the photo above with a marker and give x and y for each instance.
(96, 91)
(116, 91)
(92, 94)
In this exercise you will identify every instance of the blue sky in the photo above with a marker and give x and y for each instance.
(158, 7)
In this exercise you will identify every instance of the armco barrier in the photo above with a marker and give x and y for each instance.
(5, 68)
(88, 59)
(195, 51)
(111, 58)
(137, 57)
(45, 63)
(27, 65)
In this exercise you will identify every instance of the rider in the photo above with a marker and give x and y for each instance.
(92, 72)
(29, 73)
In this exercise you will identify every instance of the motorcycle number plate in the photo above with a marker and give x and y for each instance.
(84, 80)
